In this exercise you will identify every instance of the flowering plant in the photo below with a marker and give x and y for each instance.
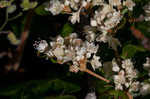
(103, 38)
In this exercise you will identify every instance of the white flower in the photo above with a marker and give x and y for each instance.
(120, 78)
(75, 17)
(127, 63)
(90, 36)
(74, 68)
(60, 40)
(115, 2)
(42, 46)
(66, 2)
(95, 62)
(93, 23)
(131, 73)
(115, 66)
(147, 64)
(118, 87)
(49, 53)
(55, 7)
(84, 3)
(58, 52)
(97, 2)
(102, 38)
(129, 3)
(134, 86)
(90, 47)
(100, 14)
(91, 95)
(145, 88)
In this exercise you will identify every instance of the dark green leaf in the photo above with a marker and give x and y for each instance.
(130, 50)
(66, 30)
(61, 97)
(41, 11)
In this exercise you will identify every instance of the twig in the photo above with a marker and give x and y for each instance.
(129, 95)
(139, 35)
(84, 69)
(24, 37)
(15, 17)
(96, 75)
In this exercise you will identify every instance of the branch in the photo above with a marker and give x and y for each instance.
(139, 35)
(84, 69)
(24, 37)
(96, 75)
(15, 17)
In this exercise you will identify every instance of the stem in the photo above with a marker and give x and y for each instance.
(129, 95)
(6, 20)
(84, 69)
(15, 17)
(24, 37)
(96, 75)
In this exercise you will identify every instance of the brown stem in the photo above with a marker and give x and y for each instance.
(96, 75)
(129, 95)
(24, 36)
(139, 35)
(84, 69)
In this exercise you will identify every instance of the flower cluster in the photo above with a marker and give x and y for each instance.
(126, 76)
(145, 88)
(74, 7)
(71, 49)
(106, 17)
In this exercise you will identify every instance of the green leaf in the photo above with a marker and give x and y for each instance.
(117, 93)
(130, 50)
(66, 30)
(142, 26)
(53, 60)
(10, 90)
(101, 87)
(40, 87)
(26, 5)
(61, 97)
(66, 86)
(41, 11)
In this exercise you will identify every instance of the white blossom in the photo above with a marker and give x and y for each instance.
(93, 23)
(55, 7)
(129, 3)
(90, 36)
(58, 52)
(91, 95)
(134, 86)
(126, 77)
(145, 88)
(97, 2)
(75, 17)
(95, 62)
(74, 68)
(42, 46)
(115, 2)
(147, 64)
(115, 67)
